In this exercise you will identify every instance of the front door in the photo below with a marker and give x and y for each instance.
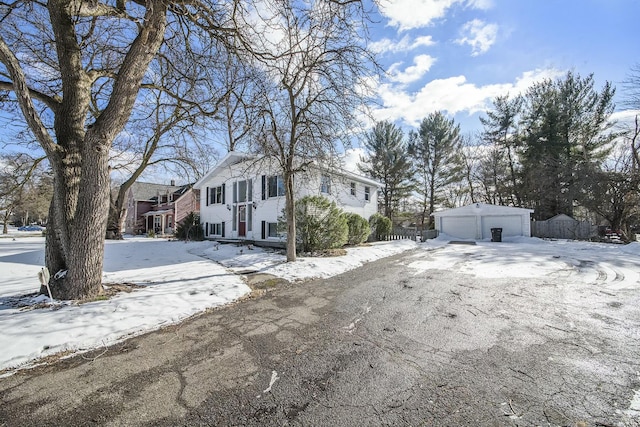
(242, 221)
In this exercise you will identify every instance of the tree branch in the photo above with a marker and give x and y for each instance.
(52, 102)
(23, 93)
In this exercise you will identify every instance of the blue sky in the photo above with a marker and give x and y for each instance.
(457, 55)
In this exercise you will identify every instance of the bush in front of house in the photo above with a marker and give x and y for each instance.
(320, 224)
(190, 228)
(380, 226)
(359, 229)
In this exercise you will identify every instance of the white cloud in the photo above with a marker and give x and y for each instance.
(625, 120)
(453, 94)
(351, 158)
(422, 64)
(409, 14)
(480, 4)
(423, 41)
(479, 35)
(403, 45)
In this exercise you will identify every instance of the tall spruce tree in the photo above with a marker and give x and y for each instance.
(567, 137)
(435, 151)
(388, 163)
(501, 130)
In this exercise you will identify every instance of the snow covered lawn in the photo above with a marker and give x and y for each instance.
(179, 280)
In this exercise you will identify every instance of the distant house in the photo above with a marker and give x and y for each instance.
(475, 221)
(243, 196)
(159, 207)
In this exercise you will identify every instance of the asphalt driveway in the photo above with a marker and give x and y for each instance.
(391, 343)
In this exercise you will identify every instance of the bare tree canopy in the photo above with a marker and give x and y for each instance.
(314, 65)
(86, 74)
(21, 179)
(77, 70)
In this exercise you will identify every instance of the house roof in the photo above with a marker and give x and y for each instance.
(562, 217)
(235, 157)
(161, 212)
(149, 191)
(354, 176)
(232, 158)
(481, 209)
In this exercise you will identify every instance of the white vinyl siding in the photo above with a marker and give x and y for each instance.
(511, 225)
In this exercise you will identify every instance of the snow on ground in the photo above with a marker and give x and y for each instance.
(182, 279)
(179, 280)
(587, 262)
(271, 262)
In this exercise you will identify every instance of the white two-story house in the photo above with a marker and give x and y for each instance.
(242, 197)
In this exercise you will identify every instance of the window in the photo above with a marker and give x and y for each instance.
(234, 215)
(325, 184)
(275, 186)
(217, 196)
(215, 229)
(367, 194)
(243, 191)
(272, 229)
(353, 188)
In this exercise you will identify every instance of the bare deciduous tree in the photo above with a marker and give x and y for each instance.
(16, 173)
(76, 70)
(314, 63)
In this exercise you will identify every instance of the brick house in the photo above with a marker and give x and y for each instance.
(159, 207)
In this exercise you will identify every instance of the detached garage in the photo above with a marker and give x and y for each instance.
(474, 222)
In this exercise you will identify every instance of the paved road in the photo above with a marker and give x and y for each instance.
(377, 346)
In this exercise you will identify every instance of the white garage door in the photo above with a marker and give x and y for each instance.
(511, 225)
(462, 227)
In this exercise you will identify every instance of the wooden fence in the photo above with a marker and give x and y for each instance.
(576, 230)
(398, 233)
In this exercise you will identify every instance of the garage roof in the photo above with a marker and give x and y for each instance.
(482, 209)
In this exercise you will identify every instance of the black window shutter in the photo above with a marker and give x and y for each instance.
(264, 187)
(223, 199)
(223, 227)
(264, 226)
(207, 196)
(206, 229)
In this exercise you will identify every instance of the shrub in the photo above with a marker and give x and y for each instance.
(320, 224)
(380, 225)
(189, 228)
(359, 229)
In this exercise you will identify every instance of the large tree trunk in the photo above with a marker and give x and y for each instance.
(78, 219)
(290, 211)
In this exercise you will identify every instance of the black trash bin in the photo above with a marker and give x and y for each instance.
(496, 234)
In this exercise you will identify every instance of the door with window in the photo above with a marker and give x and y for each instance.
(242, 221)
